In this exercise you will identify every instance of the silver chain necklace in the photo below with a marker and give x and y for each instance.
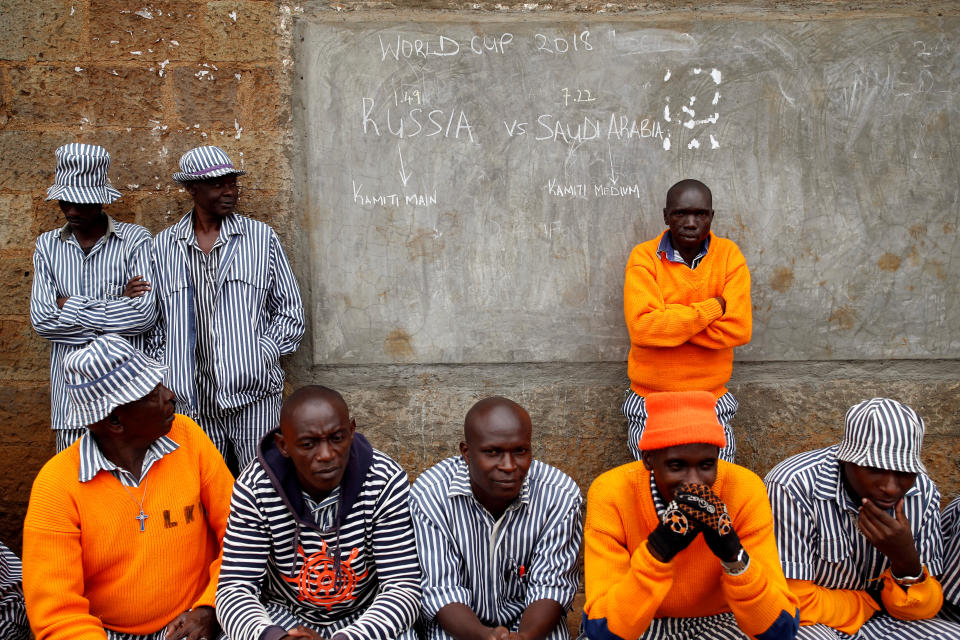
(142, 517)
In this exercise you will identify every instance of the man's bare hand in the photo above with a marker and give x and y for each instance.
(136, 287)
(892, 537)
(62, 300)
(196, 624)
(723, 303)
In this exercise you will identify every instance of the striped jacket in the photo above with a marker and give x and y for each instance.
(815, 521)
(496, 568)
(259, 315)
(94, 283)
(359, 579)
(950, 578)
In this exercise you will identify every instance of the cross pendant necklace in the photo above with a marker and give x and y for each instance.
(142, 517)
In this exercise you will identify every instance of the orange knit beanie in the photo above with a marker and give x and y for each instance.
(681, 417)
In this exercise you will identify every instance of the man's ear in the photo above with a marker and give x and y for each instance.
(281, 444)
(665, 221)
(463, 451)
(647, 458)
(353, 425)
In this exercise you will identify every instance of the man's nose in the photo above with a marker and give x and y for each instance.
(689, 220)
(324, 451)
(888, 484)
(507, 462)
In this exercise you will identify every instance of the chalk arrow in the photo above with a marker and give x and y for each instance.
(613, 173)
(403, 174)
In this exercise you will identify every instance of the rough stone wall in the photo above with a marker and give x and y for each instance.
(148, 80)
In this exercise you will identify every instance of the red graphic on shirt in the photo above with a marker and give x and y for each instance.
(318, 583)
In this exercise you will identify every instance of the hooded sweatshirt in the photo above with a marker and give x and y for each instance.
(358, 578)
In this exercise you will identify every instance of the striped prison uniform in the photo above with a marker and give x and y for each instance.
(222, 334)
(635, 411)
(93, 283)
(13, 612)
(356, 580)
(950, 578)
(822, 550)
(497, 568)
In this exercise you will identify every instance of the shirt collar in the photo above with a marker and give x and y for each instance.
(666, 248)
(92, 460)
(230, 226)
(658, 502)
(829, 486)
(460, 485)
(66, 233)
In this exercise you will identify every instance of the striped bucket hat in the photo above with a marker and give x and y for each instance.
(883, 433)
(82, 175)
(204, 163)
(105, 374)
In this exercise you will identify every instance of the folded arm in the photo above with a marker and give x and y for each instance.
(651, 322)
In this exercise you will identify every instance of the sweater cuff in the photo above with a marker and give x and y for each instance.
(712, 309)
(644, 563)
(915, 602)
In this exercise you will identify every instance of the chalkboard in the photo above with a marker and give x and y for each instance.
(472, 190)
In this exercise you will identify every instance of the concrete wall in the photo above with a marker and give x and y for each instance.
(150, 80)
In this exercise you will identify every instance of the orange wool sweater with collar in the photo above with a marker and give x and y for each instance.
(87, 565)
(627, 587)
(680, 339)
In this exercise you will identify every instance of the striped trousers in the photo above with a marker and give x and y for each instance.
(635, 411)
(885, 627)
(722, 626)
(237, 432)
(283, 617)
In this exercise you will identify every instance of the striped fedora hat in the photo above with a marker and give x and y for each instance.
(82, 175)
(105, 374)
(204, 163)
(883, 433)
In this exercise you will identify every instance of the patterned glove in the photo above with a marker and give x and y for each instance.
(674, 533)
(699, 504)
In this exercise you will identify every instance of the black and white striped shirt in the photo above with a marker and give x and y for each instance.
(815, 522)
(950, 577)
(497, 568)
(274, 559)
(258, 315)
(94, 283)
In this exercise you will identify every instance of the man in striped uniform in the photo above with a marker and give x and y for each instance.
(121, 540)
(90, 277)
(649, 572)
(498, 534)
(319, 542)
(686, 301)
(858, 529)
(950, 577)
(229, 308)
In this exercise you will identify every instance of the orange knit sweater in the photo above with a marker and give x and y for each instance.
(627, 587)
(848, 609)
(87, 566)
(679, 339)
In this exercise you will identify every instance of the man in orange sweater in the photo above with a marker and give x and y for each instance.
(858, 528)
(123, 532)
(649, 573)
(686, 301)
